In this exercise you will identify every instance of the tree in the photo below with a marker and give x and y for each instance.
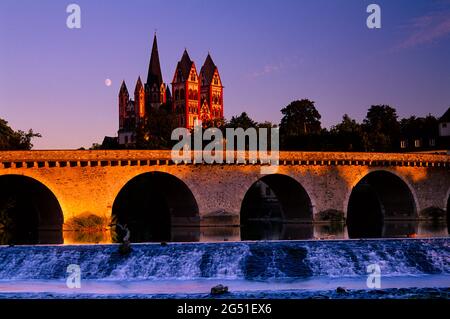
(15, 140)
(300, 126)
(217, 122)
(300, 118)
(348, 125)
(348, 136)
(382, 128)
(266, 124)
(419, 126)
(156, 130)
(242, 121)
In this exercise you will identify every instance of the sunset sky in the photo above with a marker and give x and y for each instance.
(52, 78)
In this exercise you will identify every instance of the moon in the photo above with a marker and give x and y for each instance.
(108, 82)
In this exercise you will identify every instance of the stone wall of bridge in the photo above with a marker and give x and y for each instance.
(89, 181)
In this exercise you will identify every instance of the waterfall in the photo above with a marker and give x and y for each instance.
(229, 260)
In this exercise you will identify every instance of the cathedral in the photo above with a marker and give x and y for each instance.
(196, 96)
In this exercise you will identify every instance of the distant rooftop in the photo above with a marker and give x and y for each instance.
(446, 116)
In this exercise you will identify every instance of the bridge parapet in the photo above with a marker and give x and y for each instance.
(81, 158)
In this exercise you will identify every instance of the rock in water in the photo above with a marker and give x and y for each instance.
(219, 290)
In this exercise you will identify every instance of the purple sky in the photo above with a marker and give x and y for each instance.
(52, 78)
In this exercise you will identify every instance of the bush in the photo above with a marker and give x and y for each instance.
(87, 222)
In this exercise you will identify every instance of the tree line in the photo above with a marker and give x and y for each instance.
(15, 140)
(380, 131)
(300, 129)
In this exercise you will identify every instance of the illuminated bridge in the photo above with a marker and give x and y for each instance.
(52, 187)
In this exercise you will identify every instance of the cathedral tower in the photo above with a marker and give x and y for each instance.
(211, 91)
(124, 98)
(139, 100)
(194, 96)
(155, 89)
(185, 89)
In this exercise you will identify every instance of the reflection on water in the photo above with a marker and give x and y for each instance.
(254, 231)
(33, 237)
(92, 237)
(276, 231)
(433, 229)
(389, 229)
(265, 230)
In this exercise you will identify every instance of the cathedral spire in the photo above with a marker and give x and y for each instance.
(185, 65)
(139, 85)
(208, 69)
(154, 68)
(123, 89)
(139, 99)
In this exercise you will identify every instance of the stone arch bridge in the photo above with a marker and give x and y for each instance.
(310, 186)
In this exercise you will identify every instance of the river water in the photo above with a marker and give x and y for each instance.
(410, 268)
(262, 231)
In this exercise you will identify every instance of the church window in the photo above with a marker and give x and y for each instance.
(417, 143)
(432, 142)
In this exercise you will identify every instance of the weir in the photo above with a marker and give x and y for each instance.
(252, 261)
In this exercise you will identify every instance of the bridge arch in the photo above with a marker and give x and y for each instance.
(151, 203)
(393, 172)
(270, 202)
(378, 196)
(30, 213)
